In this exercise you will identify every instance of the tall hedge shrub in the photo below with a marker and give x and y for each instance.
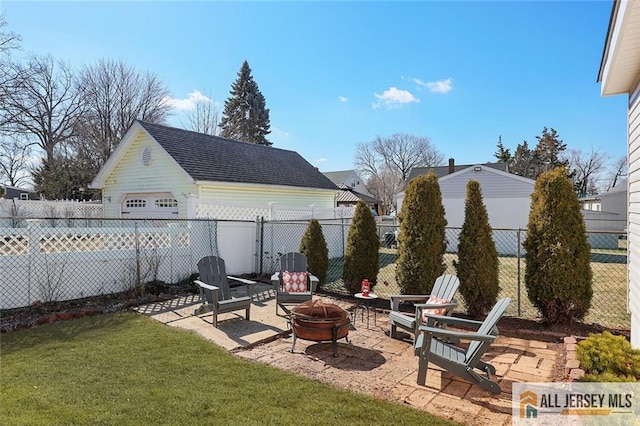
(477, 265)
(314, 246)
(421, 242)
(361, 253)
(558, 271)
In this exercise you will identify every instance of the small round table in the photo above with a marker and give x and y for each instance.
(365, 305)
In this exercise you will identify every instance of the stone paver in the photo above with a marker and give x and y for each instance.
(372, 362)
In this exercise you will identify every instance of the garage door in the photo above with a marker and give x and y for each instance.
(157, 205)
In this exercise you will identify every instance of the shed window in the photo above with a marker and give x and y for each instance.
(146, 155)
(166, 202)
(135, 202)
(24, 196)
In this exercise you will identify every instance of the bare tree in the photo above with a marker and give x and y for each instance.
(45, 104)
(115, 96)
(386, 162)
(14, 160)
(618, 170)
(585, 168)
(8, 39)
(403, 152)
(204, 117)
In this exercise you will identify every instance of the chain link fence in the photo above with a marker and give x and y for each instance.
(608, 264)
(53, 259)
(57, 259)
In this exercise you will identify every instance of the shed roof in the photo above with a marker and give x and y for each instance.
(213, 158)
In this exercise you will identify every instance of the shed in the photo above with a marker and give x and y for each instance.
(158, 171)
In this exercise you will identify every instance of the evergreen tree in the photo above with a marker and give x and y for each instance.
(421, 240)
(245, 115)
(558, 273)
(503, 155)
(361, 254)
(477, 265)
(314, 246)
(549, 151)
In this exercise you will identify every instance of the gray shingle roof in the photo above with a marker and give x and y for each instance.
(212, 158)
(441, 171)
(340, 176)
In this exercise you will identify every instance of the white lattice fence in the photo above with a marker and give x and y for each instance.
(231, 212)
(50, 209)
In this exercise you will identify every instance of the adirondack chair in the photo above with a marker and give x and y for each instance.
(444, 288)
(215, 291)
(291, 263)
(456, 360)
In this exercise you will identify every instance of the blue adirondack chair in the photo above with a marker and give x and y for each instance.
(444, 287)
(432, 347)
(215, 292)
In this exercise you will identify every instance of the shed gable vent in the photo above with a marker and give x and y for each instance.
(146, 155)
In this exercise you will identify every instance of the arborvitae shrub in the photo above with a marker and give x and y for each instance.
(421, 242)
(477, 265)
(314, 246)
(361, 253)
(604, 355)
(558, 274)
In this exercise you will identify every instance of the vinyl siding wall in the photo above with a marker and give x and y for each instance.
(507, 199)
(262, 195)
(131, 176)
(634, 214)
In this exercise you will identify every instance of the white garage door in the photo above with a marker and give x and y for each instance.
(157, 205)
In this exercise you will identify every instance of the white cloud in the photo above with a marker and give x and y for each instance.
(189, 103)
(343, 99)
(438, 86)
(322, 160)
(279, 132)
(394, 98)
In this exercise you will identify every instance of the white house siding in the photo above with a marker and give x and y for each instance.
(634, 213)
(262, 195)
(131, 176)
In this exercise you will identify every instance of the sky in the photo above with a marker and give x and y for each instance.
(335, 74)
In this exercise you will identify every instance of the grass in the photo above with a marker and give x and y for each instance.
(608, 305)
(125, 369)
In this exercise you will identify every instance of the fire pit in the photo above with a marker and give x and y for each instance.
(320, 322)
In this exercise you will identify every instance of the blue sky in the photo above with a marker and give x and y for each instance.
(338, 73)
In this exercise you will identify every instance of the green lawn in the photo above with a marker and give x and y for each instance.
(126, 369)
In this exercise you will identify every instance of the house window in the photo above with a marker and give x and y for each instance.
(135, 202)
(24, 196)
(166, 202)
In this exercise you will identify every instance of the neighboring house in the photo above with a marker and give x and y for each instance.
(11, 192)
(620, 74)
(348, 178)
(441, 171)
(606, 212)
(162, 172)
(347, 197)
(615, 200)
(591, 203)
(507, 196)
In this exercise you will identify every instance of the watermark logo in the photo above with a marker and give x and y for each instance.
(528, 404)
(557, 403)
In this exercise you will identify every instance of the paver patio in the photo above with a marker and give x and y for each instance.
(372, 363)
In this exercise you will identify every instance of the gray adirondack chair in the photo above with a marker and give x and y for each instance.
(444, 287)
(456, 360)
(292, 262)
(215, 292)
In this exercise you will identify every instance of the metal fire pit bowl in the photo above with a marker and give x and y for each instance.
(319, 322)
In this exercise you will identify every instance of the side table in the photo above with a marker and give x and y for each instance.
(364, 304)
